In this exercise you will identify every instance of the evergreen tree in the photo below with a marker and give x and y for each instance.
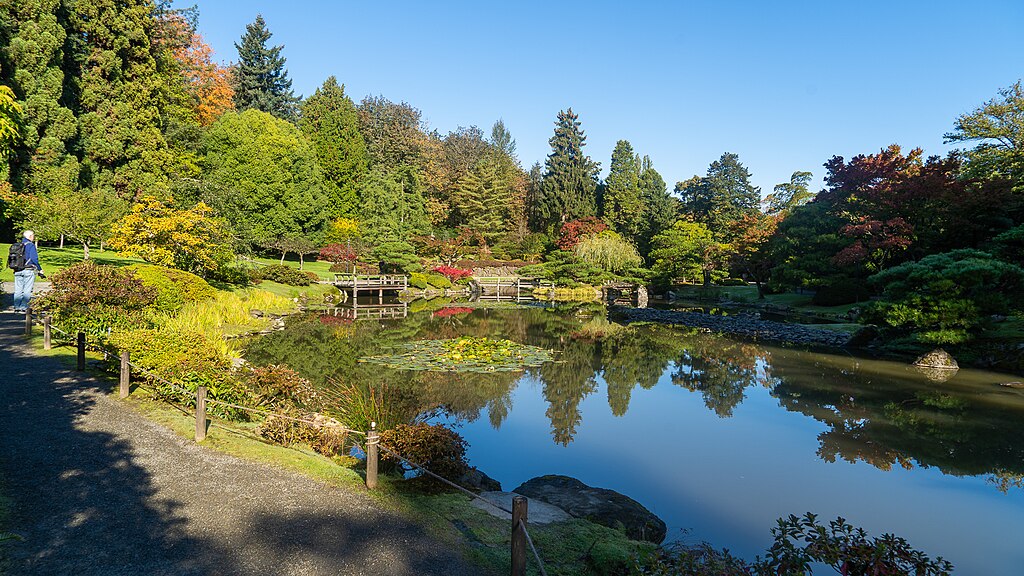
(534, 183)
(789, 195)
(261, 81)
(623, 208)
(485, 198)
(331, 123)
(392, 207)
(659, 206)
(721, 197)
(569, 188)
(502, 139)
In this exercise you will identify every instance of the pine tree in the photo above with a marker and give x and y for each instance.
(502, 139)
(721, 197)
(622, 203)
(569, 188)
(659, 206)
(261, 81)
(485, 199)
(330, 121)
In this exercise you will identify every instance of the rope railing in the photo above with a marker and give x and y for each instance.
(520, 533)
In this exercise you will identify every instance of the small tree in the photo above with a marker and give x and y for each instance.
(296, 243)
(339, 253)
(571, 233)
(608, 251)
(192, 240)
(688, 249)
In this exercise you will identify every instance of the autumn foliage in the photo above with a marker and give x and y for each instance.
(571, 233)
(208, 83)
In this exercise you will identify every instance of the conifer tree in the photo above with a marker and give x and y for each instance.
(485, 198)
(623, 206)
(261, 81)
(330, 121)
(721, 197)
(569, 188)
(659, 206)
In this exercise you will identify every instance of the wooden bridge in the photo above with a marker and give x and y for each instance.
(356, 311)
(354, 283)
(513, 288)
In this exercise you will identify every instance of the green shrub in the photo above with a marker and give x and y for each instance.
(848, 291)
(174, 288)
(276, 386)
(234, 274)
(286, 275)
(733, 282)
(945, 298)
(185, 358)
(433, 446)
(418, 280)
(96, 299)
(438, 280)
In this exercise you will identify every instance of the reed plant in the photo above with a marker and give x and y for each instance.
(229, 314)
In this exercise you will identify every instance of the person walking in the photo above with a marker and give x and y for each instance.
(23, 258)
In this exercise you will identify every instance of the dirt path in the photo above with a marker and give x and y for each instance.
(96, 489)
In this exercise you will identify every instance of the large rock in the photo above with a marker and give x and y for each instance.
(937, 358)
(599, 505)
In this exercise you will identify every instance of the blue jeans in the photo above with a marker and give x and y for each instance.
(23, 282)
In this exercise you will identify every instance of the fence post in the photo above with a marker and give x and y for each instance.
(81, 351)
(200, 413)
(28, 322)
(371, 456)
(47, 334)
(519, 514)
(125, 373)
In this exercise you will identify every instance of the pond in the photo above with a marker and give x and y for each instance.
(718, 437)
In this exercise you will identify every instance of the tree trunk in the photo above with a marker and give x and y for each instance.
(760, 290)
(283, 254)
(61, 240)
(102, 245)
(85, 250)
(302, 260)
(707, 278)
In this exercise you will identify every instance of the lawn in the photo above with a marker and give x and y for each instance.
(321, 269)
(54, 259)
(748, 294)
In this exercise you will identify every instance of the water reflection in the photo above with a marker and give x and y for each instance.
(881, 413)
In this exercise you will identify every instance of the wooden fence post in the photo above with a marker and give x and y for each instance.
(47, 333)
(126, 374)
(519, 514)
(200, 413)
(28, 322)
(81, 351)
(371, 456)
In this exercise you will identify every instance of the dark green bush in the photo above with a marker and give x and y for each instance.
(945, 298)
(848, 291)
(283, 274)
(174, 288)
(733, 282)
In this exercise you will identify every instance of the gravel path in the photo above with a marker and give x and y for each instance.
(96, 489)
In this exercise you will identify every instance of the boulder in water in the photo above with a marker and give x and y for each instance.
(599, 505)
(937, 358)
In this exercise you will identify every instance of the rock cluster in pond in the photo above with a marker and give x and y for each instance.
(598, 505)
(476, 479)
(743, 325)
(937, 365)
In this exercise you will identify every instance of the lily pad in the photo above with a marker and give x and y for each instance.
(467, 354)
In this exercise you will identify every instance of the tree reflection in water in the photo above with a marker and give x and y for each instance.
(881, 413)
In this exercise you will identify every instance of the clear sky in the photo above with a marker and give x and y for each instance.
(784, 84)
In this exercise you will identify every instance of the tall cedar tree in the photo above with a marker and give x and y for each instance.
(331, 123)
(721, 197)
(659, 206)
(623, 207)
(569, 189)
(261, 81)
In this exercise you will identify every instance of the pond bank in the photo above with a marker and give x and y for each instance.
(745, 326)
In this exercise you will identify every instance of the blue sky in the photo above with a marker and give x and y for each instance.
(784, 84)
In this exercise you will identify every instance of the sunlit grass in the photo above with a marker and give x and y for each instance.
(229, 314)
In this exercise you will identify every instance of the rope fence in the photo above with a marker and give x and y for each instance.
(521, 540)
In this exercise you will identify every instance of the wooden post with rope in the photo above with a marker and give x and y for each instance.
(28, 322)
(371, 457)
(81, 351)
(200, 413)
(47, 333)
(519, 516)
(125, 374)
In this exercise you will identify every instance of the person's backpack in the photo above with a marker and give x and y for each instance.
(16, 257)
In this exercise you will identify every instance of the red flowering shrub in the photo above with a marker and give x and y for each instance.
(452, 273)
(338, 253)
(574, 231)
(453, 311)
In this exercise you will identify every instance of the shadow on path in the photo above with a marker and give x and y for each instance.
(94, 488)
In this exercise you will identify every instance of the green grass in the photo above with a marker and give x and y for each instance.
(748, 294)
(55, 259)
(322, 269)
(315, 292)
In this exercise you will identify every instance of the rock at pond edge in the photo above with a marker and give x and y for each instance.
(599, 505)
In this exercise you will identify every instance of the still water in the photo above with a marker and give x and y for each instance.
(716, 436)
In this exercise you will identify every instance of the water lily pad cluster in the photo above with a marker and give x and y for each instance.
(466, 354)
